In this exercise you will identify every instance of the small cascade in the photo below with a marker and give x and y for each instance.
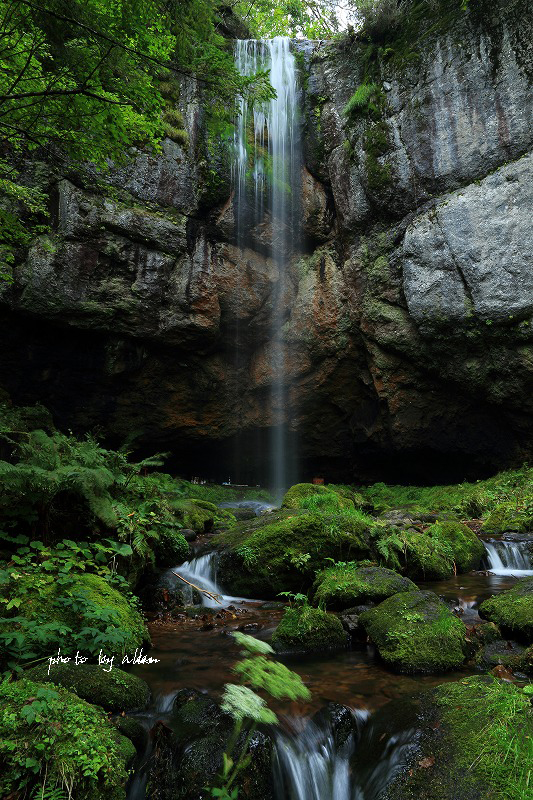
(202, 572)
(311, 765)
(508, 558)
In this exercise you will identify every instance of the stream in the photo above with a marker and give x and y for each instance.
(308, 764)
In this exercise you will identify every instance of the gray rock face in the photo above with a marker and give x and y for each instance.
(408, 309)
(471, 253)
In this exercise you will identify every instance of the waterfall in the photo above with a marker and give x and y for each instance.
(311, 765)
(508, 558)
(202, 573)
(266, 176)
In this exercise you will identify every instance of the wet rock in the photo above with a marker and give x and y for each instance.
(114, 690)
(343, 587)
(415, 632)
(188, 534)
(512, 610)
(305, 629)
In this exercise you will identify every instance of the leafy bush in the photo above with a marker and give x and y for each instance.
(49, 737)
(52, 599)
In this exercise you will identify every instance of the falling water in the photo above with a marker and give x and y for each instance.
(266, 176)
(508, 558)
(312, 765)
(202, 573)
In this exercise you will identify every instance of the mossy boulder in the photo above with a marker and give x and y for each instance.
(198, 515)
(346, 586)
(512, 610)
(307, 629)
(475, 740)
(264, 558)
(93, 603)
(172, 548)
(424, 558)
(47, 730)
(114, 691)
(316, 497)
(465, 546)
(506, 518)
(416, 632)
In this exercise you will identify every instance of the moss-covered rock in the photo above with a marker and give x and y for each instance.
(264, 558)
(416, 632)
(306, 629)
(505, 517)
(315, 497)
(522, 662)
(172, 548)
(512, 610)
(114, 690)
(198, 515)
(475, 741)
(346, 586)
(47, 730)
(467, 549)
(94, 603)
(425, 558)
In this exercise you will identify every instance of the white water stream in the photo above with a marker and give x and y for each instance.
(508, 558)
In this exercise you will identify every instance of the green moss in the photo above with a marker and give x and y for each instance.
(172, 548)
(425, 558)
(114, 691)
(512, 610)
(309, 629)
(301, 494)
(264, 558)
(490, 726)
(378, 174)
(507, 517)
(460, 500)
(467, 549)
(415, 632)
(48, 734)
(198, 515)
(94, 604)
(345, 586)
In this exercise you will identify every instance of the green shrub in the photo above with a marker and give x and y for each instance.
(49, 737)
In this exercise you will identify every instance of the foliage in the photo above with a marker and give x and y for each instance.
(50, 738)
(248, 709)
(50, 599)
(316, 19)
(460, 500)
(467, 550)
(315, 497)
(491, 725)
(363, 100)
(87, 81)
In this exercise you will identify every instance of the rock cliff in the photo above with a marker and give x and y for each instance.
(409, 306)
